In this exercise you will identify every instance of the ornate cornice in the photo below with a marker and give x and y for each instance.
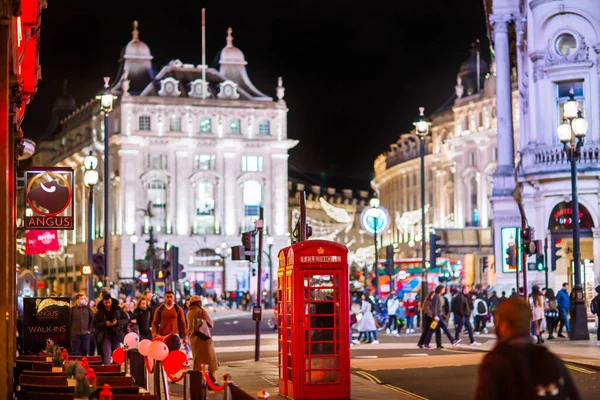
(500, 22)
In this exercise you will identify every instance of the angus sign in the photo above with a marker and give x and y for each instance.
(49, 198)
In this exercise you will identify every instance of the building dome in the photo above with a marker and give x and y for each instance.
(136, 49)
(468, 72)
(65, 104)
(231, 54)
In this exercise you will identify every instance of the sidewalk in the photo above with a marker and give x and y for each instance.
(262, 375)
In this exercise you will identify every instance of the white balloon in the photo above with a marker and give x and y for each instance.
(143, 347)
(132, 340)
(158, 350)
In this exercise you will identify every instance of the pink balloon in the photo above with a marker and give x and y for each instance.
(158, 350)
(143, 347)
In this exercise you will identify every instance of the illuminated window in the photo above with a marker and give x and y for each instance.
(252, 163)
(205, 125)
(562, 96)
(235, 127)
(144, 123)
(205, 162)
(264, 127)
(205, 208)
(252, 197)
(175, 123)
(566, 44)
(157, 196)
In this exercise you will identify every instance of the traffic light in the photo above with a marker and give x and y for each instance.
(180, 272)
(539, 262)
(511, 256)
(484, 264)
(98, 264)
(165, 268)
(253, 271)
(528, 242)
(249, 243)
(435, 249)
(558, 252)
(389, 260)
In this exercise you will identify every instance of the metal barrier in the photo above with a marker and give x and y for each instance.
(199, 383)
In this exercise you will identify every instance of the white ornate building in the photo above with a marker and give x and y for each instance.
(202, 145)
(543, 49)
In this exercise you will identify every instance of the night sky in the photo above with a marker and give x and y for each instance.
(354, 72)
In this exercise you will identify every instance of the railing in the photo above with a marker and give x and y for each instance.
(200, 382)
(554, 159)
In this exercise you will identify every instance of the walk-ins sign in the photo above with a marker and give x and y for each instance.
(49, 198)
(46, 318)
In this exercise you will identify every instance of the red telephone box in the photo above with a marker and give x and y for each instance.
(313, 326)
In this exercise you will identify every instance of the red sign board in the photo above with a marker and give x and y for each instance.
(49, 197)
(562, 217)
(39, 242)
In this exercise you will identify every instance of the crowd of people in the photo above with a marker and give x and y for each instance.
(471, 309)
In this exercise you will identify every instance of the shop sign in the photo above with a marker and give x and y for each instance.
(40, 242)
(320, 259)
(46, 318)
(562, 217)
(49, 198)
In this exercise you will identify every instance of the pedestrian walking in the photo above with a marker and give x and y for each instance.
(82, 321)
(109, 322)
(132, 325)
(143, 317)
(462, 308)
(366, 325)
(564, 305)
(480, 310)
(152, 304)
(412, 308)
(551, 313)
(392, 307)
(427, 320)
(517, 369)
(400, 318)
(537, 310)
(203, 349)
(595, 309)
(169, 320)
(437, 310)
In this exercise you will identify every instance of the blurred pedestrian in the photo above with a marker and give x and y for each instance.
(142, 315)
(82, 321)
(516, 369)
(564, 305)
(366, 325)
(462, 307)
(392, 306)
(537, 307)
(551, 313)
(168, 319)
(595, 309)
(437, 312)
(109, 322)
(412, 308)
(427, 320)
(132, 325)
(203, 349)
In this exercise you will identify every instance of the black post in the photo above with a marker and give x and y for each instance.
(376, 266)
(423, 243)
(106, 200)
(90, 247)
(546, 262)
(579, 329)
(271, 292)
(258, 283)
(133, 268)
(302, 221)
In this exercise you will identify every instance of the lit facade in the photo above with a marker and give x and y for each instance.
(201, 147)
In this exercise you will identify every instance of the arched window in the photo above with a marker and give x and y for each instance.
(157, 196)
(175, 123)
(252, 197)
(205, 208)
(473, 201)
(264, 127)
(205, 125)
(144, 123)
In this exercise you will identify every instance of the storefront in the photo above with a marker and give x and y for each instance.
(205, 273)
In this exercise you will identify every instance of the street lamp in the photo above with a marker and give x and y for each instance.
(223, 254)
(422, 131)
(270, 241)
(571, 133)
(106, 106)
(374, 203)
(90, 179)
(134, 240)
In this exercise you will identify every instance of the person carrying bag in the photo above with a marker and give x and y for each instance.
(200, 327)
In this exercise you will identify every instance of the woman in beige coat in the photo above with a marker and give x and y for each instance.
(203, 350)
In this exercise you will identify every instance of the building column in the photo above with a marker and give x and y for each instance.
(504, 182)
(596, 244)
(229, 194)
(279, 194)
(182, 196)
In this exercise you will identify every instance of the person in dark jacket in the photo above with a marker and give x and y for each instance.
(109, 322)
(564, 305)
(427, 320)
(462, 306)
(517, 369)
(437, 310)
(144, 318)
(82, 318)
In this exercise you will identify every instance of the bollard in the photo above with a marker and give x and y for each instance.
(125, 348)
(226, 392)
(105, 393)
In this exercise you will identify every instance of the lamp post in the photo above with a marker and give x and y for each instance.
(571, 133)
(374, 203)
(134, 240)
(422, 131)
(223, 254)
(106, 106)
(271, 280)
(90, 179)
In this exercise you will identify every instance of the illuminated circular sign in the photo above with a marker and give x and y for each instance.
(144, 278)
(375, 220)
(49, 198)
(402, 274)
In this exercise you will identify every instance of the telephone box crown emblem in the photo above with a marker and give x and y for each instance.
(320, 250)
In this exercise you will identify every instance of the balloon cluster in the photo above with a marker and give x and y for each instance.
(131, 341)
(167, 350)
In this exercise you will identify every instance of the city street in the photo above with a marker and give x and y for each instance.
(396, 362)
